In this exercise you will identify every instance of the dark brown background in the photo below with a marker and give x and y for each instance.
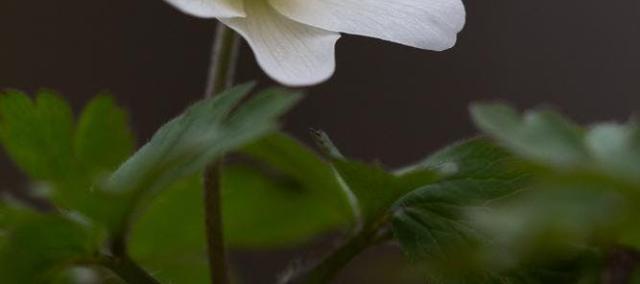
(386, 101)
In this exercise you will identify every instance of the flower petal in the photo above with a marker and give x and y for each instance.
(427, 24)
(291, 53)
(210, 8)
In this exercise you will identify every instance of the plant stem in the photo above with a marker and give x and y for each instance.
(213, 222)
(620, 265)
(221, 70)
(327, 268)
(127, 269)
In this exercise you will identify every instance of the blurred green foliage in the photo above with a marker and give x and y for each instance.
(73, 160)
(43, 139)
(276, 193)
(425, 203)
(35, 247)
(540, 199)
(583, 200)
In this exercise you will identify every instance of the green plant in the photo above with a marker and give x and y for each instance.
(548, 202)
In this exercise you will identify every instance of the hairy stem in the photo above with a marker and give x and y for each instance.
(221, 70)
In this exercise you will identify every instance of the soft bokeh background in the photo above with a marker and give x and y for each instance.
(386, 102)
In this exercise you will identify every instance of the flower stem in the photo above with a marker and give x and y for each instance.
(221, 70)
(224, 55)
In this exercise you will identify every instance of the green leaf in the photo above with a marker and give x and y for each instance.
(428, 200)
(103, 138)
(284, 176)
(181, 148)
(370, 188)
(188, 143)
(36, 247)
(262, 185)
(474, 169)
(542, 136)
(431, 219)
(557, 144)
(572, 215)
(375, 189)
(427, 203)
(575, 222)
(586, 189)
(437, 225)
(605, 158)
(37, 134)
(41, 138)
(615, 149)
(169, 237)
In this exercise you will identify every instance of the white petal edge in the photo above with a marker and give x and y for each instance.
(210, 8)
(291, 53)
(426, 24)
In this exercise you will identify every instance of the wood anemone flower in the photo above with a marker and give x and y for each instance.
(293, 40)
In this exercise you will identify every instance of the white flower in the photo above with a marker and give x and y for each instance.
(293, 40)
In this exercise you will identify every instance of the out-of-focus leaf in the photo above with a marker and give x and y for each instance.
(542, 136)
(168, 238)
(37, 134)
(572, 216)
(36, 247)
(615, 148)
(181, 148)
(586, 191)
(552, 223)
(85, 275)
(41, 137)
(188, 143)
(102, 138)
(559, 145)
(609, 153)
(262, 186)
(462, 267)
(281, 176)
